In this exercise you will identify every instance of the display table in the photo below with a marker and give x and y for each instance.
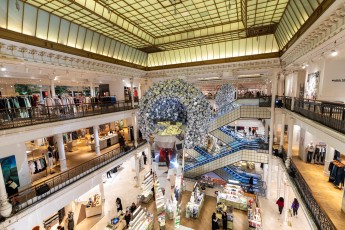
(120, 225)
(106, 141)
(159, 197)
(194, 206)
(94, 207)
(254, 217)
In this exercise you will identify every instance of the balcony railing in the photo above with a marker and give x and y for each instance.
(320, 217)
(327, 113)
(41, 191)
(26, 116)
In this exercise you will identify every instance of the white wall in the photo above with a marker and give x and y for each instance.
(330, 90)
(19, 150)
(293, 82)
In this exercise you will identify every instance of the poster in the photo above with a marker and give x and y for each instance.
(312, 87)
(9, 169)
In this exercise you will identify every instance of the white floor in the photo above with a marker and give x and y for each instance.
(270, 214)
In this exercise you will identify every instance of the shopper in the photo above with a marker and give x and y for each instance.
(108, 174)
(295, 206)
(118, 204)
(127, 218)
(251, 181)
(70, 220)
(225, 220)
(11, 188)
(133, 207)
(280, 203)
(145, 157)
(215, 225)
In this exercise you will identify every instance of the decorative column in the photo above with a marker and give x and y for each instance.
(270, 149)
(61, 149)
(287, 204)
(135, 129)
(328, 159)
(92, 90)
(281, 144)
(52, 86)
(278, 181)
(266, 131)
(290, 140)
(132, 91)
(101, 190)
(96, 140)
(5, 206)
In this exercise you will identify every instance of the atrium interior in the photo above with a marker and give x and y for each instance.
(172, 114)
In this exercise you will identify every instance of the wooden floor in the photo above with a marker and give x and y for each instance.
(326, 194)
(204, 221)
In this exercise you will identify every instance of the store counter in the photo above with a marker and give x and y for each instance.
(106, 141)
(117, 223)
(94, 207)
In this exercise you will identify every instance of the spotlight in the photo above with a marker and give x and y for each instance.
(2, 68)
(334, 53)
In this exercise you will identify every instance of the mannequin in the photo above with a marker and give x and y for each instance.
(310, 151)
(50, 158)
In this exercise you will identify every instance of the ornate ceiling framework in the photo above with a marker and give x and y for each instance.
(160, 33)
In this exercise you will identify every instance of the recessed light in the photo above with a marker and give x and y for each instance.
(334, 53)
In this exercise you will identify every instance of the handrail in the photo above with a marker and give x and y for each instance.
(330, 114)
(27, 116)
(39, 192)
(320, 217)
(225, 152)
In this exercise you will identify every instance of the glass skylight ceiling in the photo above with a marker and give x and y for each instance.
(145, 23)
(138, 27)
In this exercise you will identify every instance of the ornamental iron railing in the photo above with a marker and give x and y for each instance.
(320, 217)
(330, 114)
(27, 116)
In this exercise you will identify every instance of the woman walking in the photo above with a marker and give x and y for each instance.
(280, 203)
(295, 206)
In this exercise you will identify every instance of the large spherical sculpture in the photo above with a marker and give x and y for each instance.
(175, 100)
(225, 95)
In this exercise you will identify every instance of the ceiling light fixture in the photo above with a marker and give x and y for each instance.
(334, 52)
(2, 68)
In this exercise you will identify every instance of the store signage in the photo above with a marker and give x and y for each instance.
(338, 80)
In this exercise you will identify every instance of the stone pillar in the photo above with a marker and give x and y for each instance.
(266, 131)
(135, 128)
(61, 149)
(278, 181)
(96, 140)
(52, 86)
(132, 91)
(41, 94)
(328, 159)
(281, 144)
(270, 148)
(101, 190)
(5, 206)
(265, 172)
(290, 140)
(287, 204)
(137, 169)
(92, 90)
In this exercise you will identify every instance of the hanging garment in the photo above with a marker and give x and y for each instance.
(39, 166)
(32, 167)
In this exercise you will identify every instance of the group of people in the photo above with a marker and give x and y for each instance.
(215, 225)
(129, 211)
(294, 206)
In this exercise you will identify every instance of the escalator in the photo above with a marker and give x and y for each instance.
(234, 152)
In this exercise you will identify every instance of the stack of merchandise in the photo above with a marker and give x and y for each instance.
(142, 220)
(147, 185)
(160, 199)
(254, 217)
